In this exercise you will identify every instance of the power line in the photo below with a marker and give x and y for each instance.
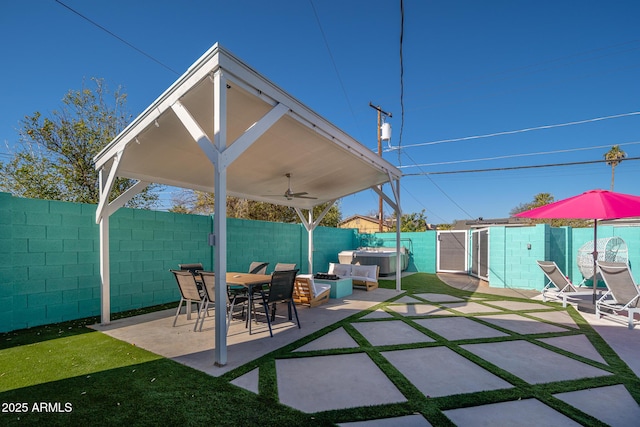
(512, 132)
(333, 62)
(511, 156)
(117, 37)
(516, 167)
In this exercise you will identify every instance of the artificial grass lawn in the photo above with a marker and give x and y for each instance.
(109, 382)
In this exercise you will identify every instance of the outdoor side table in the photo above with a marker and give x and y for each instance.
(339, 288)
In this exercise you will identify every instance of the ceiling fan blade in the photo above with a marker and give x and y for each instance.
(305, 197)
(301, 193)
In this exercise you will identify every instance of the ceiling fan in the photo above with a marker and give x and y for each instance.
(291, 195)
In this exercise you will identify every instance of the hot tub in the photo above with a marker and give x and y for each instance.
(383, 257)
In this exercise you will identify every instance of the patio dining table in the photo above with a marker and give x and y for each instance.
(249, 281)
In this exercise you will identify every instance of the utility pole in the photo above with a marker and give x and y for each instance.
(380, 122)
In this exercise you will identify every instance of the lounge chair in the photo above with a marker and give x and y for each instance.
(307, 292)
(189, 293)
(623, 295)
(284, 267)
(559, 285)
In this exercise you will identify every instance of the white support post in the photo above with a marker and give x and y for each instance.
(105, 277)
(398, 226)
(310, 239)
(220, 218)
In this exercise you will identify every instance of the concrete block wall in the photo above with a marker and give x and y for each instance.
(271, 242)
(421, 244)
(513, 255)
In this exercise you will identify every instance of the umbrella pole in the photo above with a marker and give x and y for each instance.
(595, 258)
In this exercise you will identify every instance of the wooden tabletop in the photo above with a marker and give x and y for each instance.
(247, 279)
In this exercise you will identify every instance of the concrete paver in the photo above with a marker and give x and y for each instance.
(407, 421)
(577, 344)
(532, 363)
(560, 317)
(418, 310)
(443, 372)
(390, 332)
(459, 328)
(314, 384)
(527, 412)
(471, 307)
(439, 297)
(612, 405)
(521, 324)
(336, 339)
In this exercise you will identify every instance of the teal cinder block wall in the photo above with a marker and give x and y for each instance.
(50, 269)
(422, 246)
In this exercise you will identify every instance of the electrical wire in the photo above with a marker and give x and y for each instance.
(401, 79)
(333, 62)
(549, 165)
(117, 37)
(513, 132)
(511, 156)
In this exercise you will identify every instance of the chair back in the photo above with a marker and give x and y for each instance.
(258, 268)
(284, 267)
(209, 281)
(187, 285)
(281, 286)
(556, 277)
(619, 281)
(193, 268)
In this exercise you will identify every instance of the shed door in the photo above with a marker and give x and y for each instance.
(480, 253)
(452, 250)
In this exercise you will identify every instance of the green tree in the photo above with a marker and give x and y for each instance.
(542, 199)
(197, 202)
(412, 222)
(614, 157)
(53, 158)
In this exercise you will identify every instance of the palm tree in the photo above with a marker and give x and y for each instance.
(613, 158)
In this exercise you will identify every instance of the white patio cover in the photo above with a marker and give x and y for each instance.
(223, 128)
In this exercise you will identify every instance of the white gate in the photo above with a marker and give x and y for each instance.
(480, 253)
(452, 251)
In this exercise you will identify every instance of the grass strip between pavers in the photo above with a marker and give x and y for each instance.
(432, 408)
(109, 382)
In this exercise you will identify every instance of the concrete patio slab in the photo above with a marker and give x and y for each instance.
(333, 382)
(378, 314)
(459, 328)
(419, 310)
(471, 307)
(528, 412)
(406, 300)
(612, 405)
(532, 363)
(407, 421)
(560, 317)
(577, 344)
(439, 297)
(336, 339)
(390, 332)
(520, 324)
(248, 381)
(518, 305)
(443, 372)
(154, 332)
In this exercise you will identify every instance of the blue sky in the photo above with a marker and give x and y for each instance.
(471, 68)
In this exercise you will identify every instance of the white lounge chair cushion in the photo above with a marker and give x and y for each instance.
(365, 273)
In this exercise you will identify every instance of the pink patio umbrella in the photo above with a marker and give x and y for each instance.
(595, 205)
